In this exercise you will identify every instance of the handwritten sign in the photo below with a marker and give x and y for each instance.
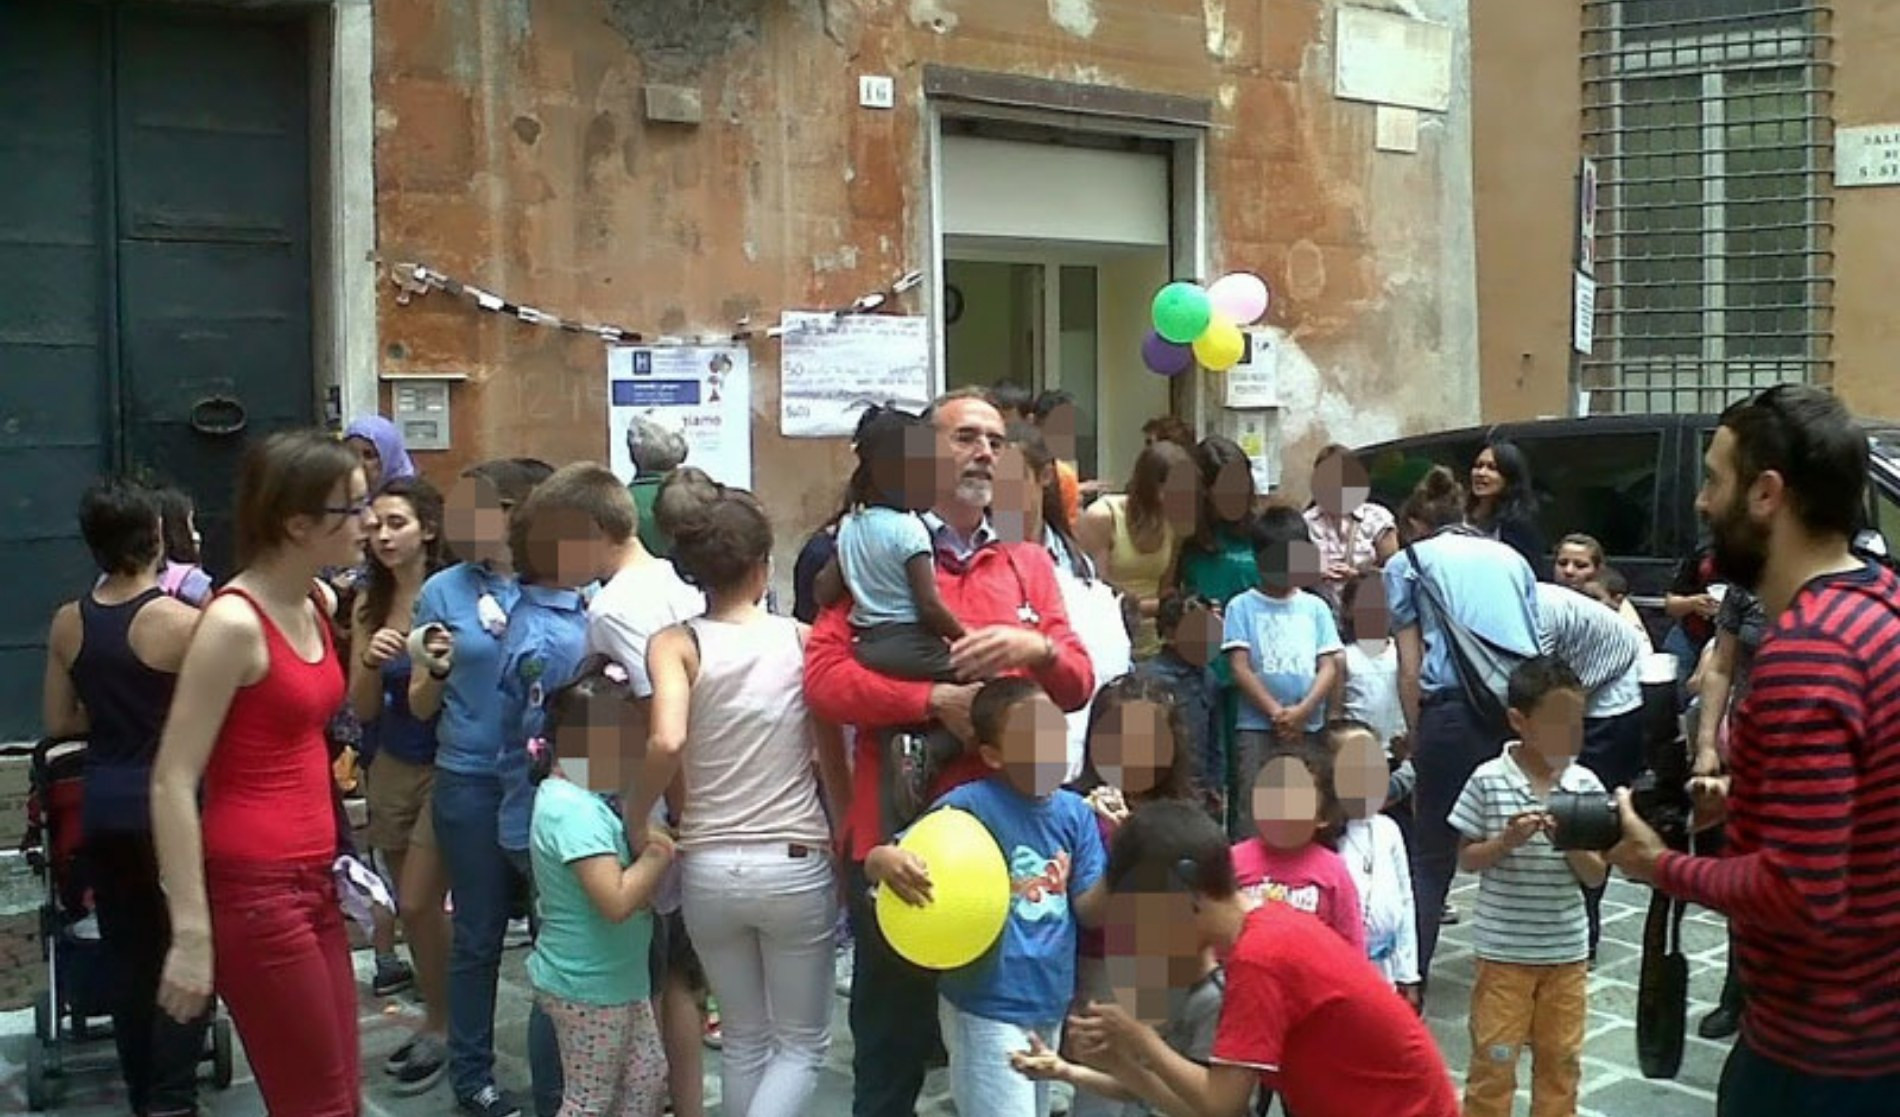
(832, 368)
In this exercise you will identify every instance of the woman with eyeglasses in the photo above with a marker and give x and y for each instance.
(243, 811)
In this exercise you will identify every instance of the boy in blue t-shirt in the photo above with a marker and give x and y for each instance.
(1050, 841)
(1282, 644)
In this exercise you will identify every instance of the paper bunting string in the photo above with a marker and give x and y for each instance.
(418, 279)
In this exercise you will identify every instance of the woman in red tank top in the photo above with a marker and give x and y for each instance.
(248, 876)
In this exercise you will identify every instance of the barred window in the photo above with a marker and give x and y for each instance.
(1710, 121)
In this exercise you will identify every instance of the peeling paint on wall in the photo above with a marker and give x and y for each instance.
(932, 15)
(1214, 21)
(1077, 17)
(679, 38)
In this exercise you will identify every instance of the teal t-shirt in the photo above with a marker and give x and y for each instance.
(579, 955)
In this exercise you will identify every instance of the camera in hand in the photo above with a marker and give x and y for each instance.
(1591, 820)
(1660, 794)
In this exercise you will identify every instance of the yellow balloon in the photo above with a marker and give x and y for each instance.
(969, 888)
(1220, 346)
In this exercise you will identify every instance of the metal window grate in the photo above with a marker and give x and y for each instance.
(1711, 125)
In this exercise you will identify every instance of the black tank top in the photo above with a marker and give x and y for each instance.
(126, 702)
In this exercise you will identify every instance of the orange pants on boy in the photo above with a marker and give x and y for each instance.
(1513, 1006)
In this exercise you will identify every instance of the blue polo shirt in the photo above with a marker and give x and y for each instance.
(546, 641)
(469, 730)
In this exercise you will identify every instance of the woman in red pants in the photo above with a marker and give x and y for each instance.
(248, 877)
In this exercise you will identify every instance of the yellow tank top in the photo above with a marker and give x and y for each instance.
(1138, 573)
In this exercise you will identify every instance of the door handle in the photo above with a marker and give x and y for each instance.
(218, 416)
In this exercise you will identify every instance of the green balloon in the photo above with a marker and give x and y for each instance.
(1182, 311)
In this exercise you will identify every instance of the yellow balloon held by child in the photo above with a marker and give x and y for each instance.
(969, 885)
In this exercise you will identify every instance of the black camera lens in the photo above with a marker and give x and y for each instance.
(1585, 820)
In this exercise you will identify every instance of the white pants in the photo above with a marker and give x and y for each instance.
(763, 921)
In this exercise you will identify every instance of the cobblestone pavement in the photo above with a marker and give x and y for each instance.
(1613, 1086)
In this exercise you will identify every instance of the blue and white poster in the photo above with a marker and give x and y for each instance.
(703, 392)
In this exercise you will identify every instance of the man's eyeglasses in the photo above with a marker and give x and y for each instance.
(970, 437)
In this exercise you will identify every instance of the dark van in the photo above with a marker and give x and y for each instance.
(1628, 480)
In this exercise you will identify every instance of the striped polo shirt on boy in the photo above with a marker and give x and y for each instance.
(1811, 881)
(1530, 907)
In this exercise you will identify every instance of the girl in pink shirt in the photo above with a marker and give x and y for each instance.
(1296, 812)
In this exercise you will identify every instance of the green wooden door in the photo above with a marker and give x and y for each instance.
(154, 277)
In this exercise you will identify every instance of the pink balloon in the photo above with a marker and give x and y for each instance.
(1241, 296)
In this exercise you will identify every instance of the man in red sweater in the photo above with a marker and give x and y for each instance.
(1011, 608)
(1811, 880)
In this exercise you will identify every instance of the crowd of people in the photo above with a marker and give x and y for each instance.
(1233, 752)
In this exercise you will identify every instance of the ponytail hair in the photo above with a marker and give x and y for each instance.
(597, 677)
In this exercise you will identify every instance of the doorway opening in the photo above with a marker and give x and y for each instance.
(1055, 229)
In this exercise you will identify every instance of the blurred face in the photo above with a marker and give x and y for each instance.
(1575, 565)
(1180, 493)
(569, 549)
(1486, 480)
(1232, 494)
(1285, 804)
(1154, 951)
(371, 458)
(396, 536)
(475, 520)
(1133, 747)
(1360, 774)
(1340, 485)
(969, 437)
(927, 476)
(1016, 498)
(1033, 754)
(1197, 638)
(1554, 730)
(1059, 429)
(1294, 566)
(1371, 617)
(610, 753)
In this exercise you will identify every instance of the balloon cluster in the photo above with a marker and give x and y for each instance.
(1195, 323)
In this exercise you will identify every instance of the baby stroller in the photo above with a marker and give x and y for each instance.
(78, 983)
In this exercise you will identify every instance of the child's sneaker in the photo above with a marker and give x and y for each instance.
(393, 975)
(423, 1069)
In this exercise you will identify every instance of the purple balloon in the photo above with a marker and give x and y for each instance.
(1164, 356)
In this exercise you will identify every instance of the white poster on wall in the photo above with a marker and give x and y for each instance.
(1255, 381)
(833, 367)
(703, 392)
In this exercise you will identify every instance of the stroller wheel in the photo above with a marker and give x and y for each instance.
(221, 1053)
(40, 1082)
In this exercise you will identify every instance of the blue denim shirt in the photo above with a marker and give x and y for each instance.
(546, 641)
(1197, 691)
(469, 730)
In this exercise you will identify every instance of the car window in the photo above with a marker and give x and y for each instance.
(1603, 485)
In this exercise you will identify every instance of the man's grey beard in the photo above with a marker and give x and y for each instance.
(975, 492)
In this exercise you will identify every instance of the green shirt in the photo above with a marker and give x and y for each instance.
(579, 955)
(657, 542)
(1222, 574)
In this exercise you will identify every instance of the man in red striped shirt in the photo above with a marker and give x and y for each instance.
(1811, 880)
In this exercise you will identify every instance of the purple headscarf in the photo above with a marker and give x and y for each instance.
(383, 434)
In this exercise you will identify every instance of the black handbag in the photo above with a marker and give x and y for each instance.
(1484, 668)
